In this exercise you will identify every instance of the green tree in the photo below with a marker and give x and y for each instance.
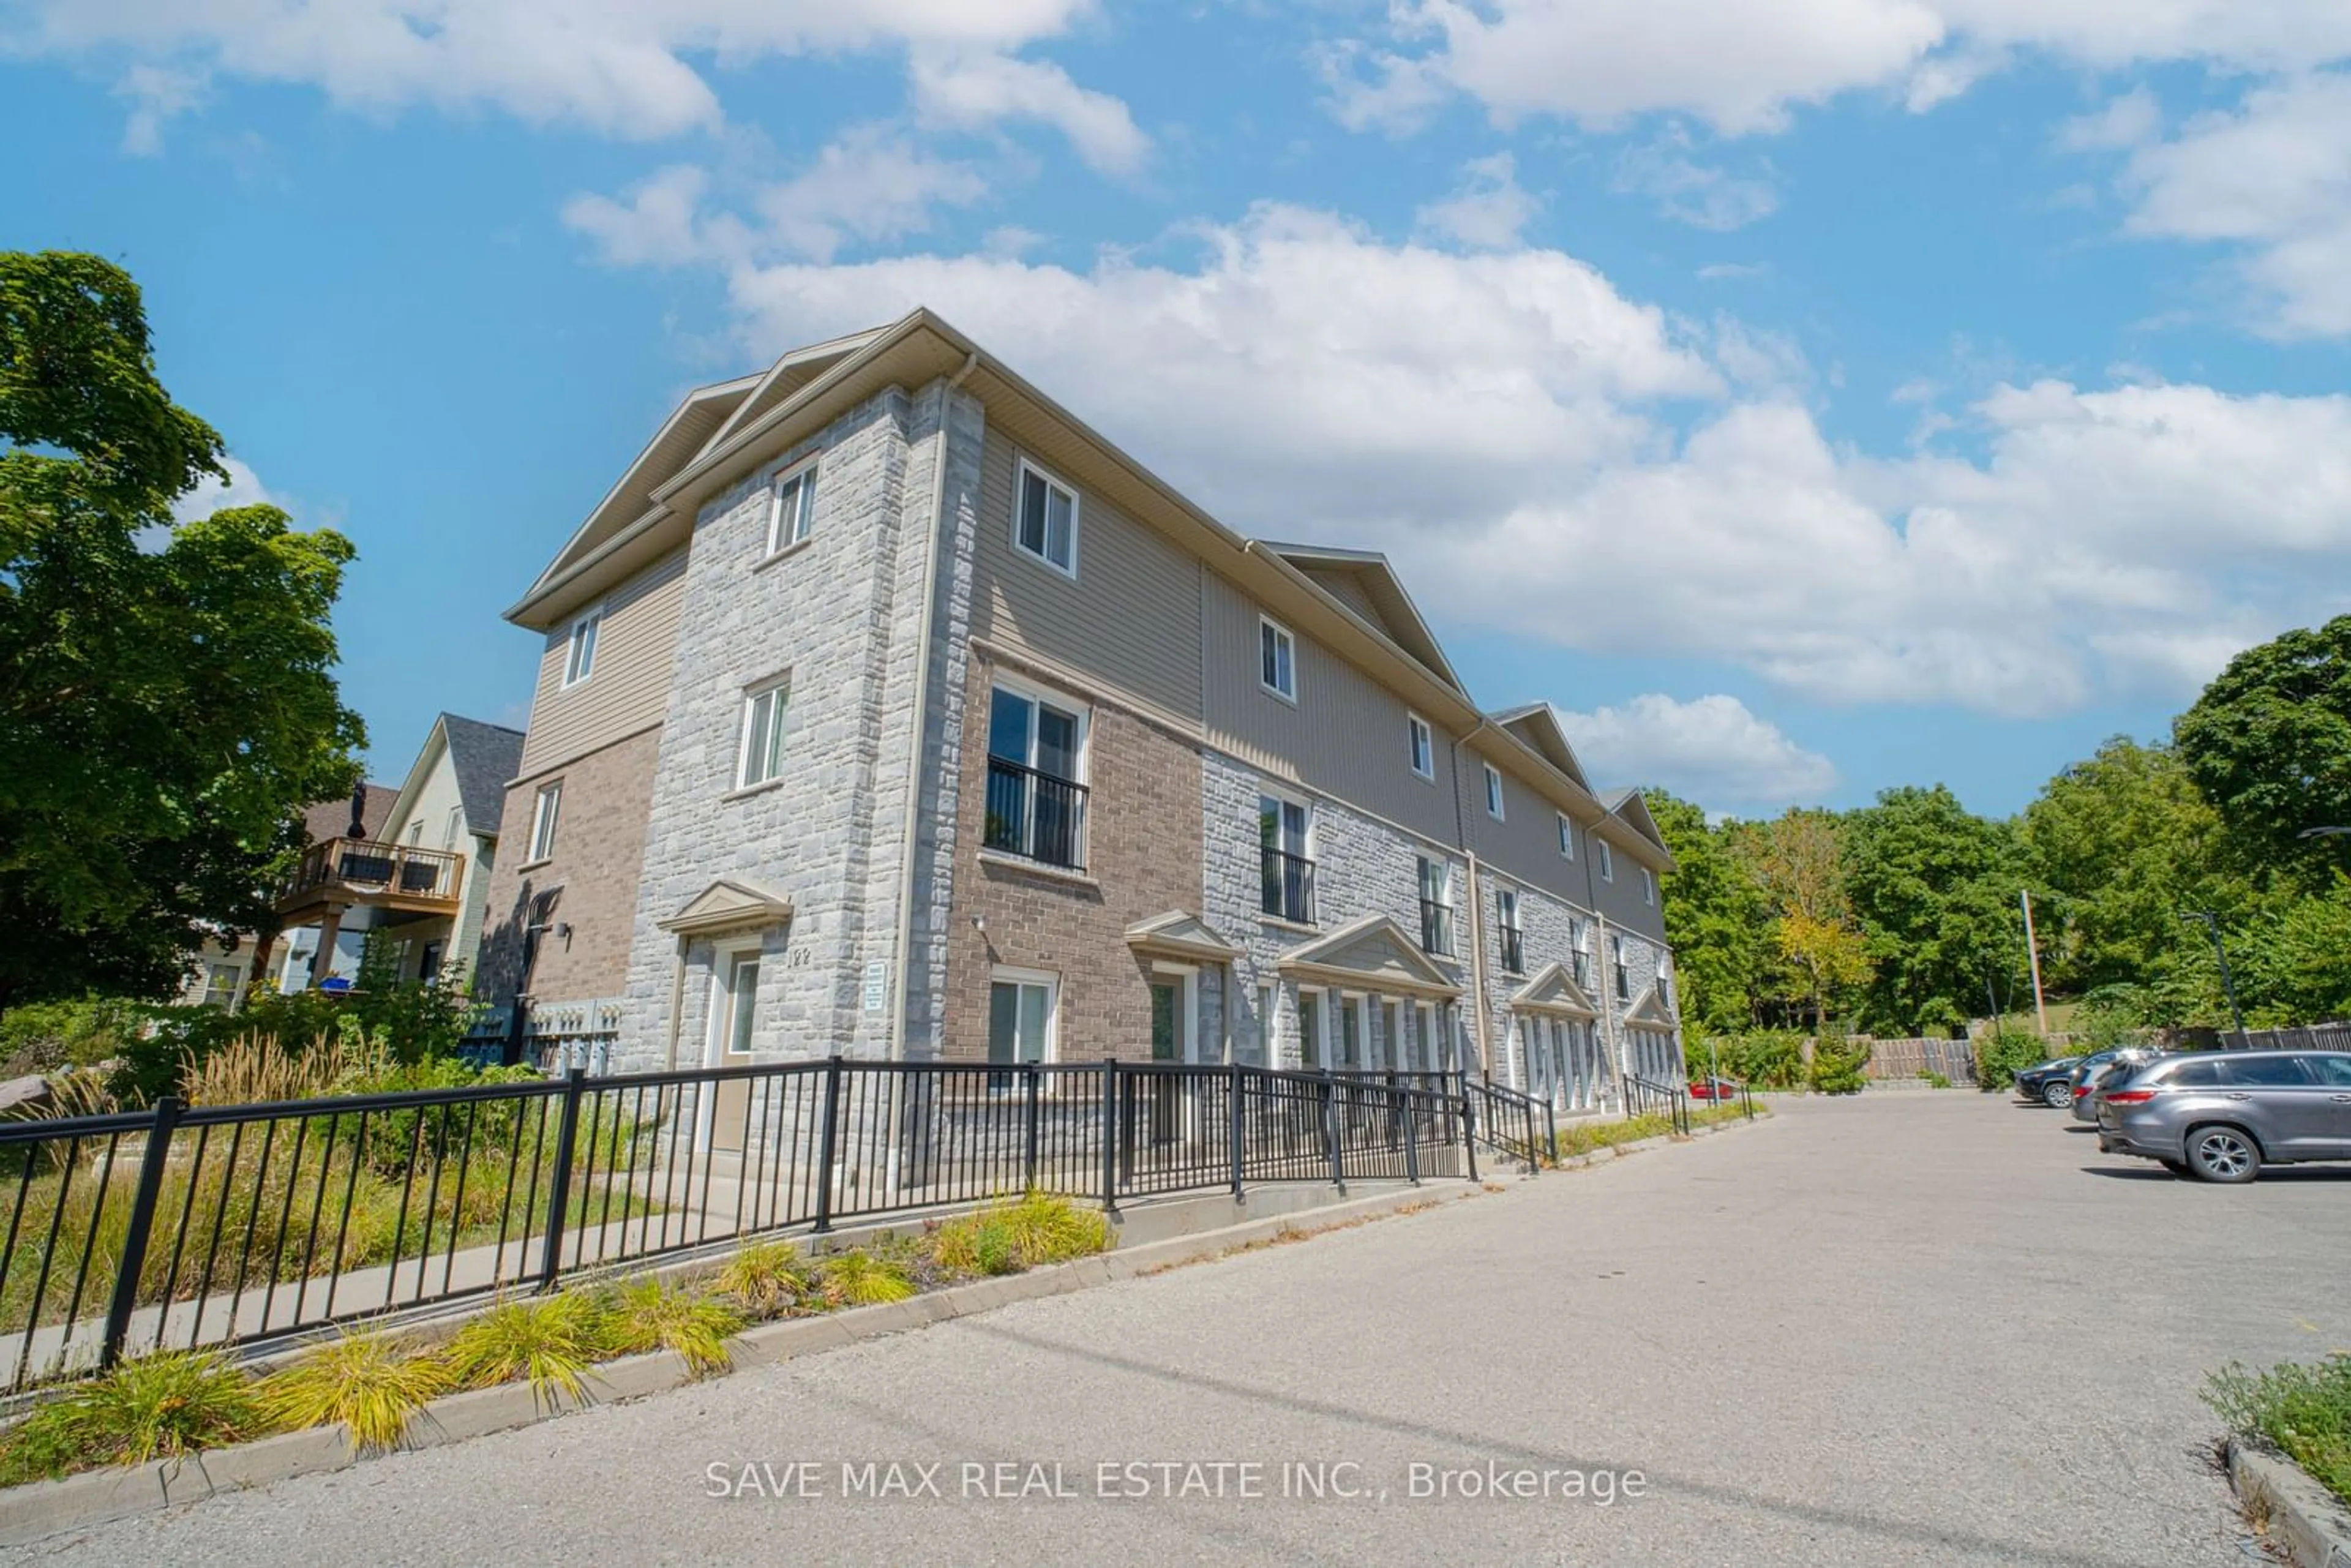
(1935, 888)
(166, 695)
(2269, 744)
(1797, 861)
(1716, 919)
(2129, 845)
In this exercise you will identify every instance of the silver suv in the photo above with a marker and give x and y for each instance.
(2221, 1115)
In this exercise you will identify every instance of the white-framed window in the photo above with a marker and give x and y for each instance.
(545, 811)
(1424, 746)
(1286, 880)
(220, 984)
(1512, 935)
(449, 829)
(1277, 659)
(1493, 791)
(1603, 857)
(1648, 886)
(1036, 776)
(791, 506)
(1566, 838)
(1665, 979)
(1310, 1043)
(1579, 941)
(416, 832)
(1436, 907)
(1022, 1022)
(580, 650)
(1045, 519)
(1624, 975)
(761, 756)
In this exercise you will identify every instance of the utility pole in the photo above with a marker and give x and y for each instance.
(2228, 986)
(2032, 952)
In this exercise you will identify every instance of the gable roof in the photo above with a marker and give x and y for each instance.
(485, 757)
(1650, 1010)
(793, 370)
(1552, 988)
(1538, 724)
(323, 820)
(1180, 933)
(1364, 585)
(1375, 953)
(728, 903)
(1627, 808)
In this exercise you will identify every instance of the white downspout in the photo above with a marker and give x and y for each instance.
(1476, 908)
(922, 709)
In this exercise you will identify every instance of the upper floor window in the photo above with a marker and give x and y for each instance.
(1036, 806)
(1286, 874)
(580, 657)
(1424, 746)
(449, 829)
(1277, 659)
(1436, 907)
(1579, 952)
(762, 756)
(1624, 975)
(1604, 859)
(1648, 886)
(1566, 837)
(544, 811)
(792, 507)
(417, 832)
(1514, 941)
(1046, 526)
(1493, 791)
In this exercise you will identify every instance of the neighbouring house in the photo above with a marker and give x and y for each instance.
(886, 709)
(222, 968)
(417, 879)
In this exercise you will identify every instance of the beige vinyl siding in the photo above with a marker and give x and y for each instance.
(628, 690)
(1345, 736)
(1348, 589)
(1131, 618)
(1524, 844)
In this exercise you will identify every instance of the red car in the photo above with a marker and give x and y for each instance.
(1713, 1089)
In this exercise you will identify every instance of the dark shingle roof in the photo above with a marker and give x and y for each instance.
(485, 757)
(329, 819)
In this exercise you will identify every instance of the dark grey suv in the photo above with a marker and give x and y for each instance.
(2222, 1115)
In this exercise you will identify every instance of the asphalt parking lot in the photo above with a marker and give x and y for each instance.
(1914, 1327)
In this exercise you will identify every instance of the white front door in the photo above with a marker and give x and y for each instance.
(734, 1008)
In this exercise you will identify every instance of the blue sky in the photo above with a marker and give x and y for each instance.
(1806, 396)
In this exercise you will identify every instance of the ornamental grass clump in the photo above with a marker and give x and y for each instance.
(548, 1342)
(152, 1407)
(857, 1279)
(768, 1280)
(365, 1381)
(653, 1315)
(1026, 1233)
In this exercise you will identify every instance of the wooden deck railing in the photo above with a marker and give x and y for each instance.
(370, 870)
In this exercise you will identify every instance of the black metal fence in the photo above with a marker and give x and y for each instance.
(1647, 1097)
(198, 1226)
(1519, 1125)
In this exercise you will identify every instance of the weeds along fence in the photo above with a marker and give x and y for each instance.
(185, 1226)
(1916, 1058)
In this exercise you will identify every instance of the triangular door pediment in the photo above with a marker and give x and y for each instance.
(729, 905)
(1375, 953)
(1651, 1011)
(1181, 934)
(1553, 989)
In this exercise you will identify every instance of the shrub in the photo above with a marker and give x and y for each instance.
(2002, 1053)
(652, 1316)
(365, 1381)
(1936, 1081)
(154, 1407)
(548, 1342)
(857, 1279)
(1837, 1063)
(766, 1279)
(1027, 1233)
(41, 1037)
(2303, 1411)
(1768, 1059)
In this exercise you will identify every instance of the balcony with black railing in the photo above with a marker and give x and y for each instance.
(1436, 928)
(1514, 951)
(1035, 816)
(1288, 888)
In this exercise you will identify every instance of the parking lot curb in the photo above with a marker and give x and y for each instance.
(43, 1509)
(2303, 1521)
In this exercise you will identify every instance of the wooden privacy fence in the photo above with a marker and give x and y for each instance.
(1913, 1058)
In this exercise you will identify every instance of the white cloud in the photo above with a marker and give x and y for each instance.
(2274, 179)
(1487, 210)
(2128, 121)
(1690, 192)
(610, 66)
(1712, 749)
(156, 94)
(974, 92)
(1510, 428)
(243, 487)
(870, 184)
(1743, 66)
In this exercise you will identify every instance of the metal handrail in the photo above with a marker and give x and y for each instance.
(1641, 1094)
(1288, 887)
(1509, 1123)
(1036, 815)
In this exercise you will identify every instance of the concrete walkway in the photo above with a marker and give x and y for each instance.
(1923, 1328)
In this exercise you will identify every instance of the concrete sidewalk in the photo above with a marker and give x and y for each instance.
(1929, 1328)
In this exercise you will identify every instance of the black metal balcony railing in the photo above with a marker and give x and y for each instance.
(1514, 951)
(1288, 888)
(1035, 815)
(1436, 928)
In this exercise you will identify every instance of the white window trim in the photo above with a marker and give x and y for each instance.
(1494, 801)
(544, 824)
(1566, 837)
(449, 829)
(781, 684)
(1076, 706)
(1020, 471)
(1606, 859)
(1648, 888)
(1287, 635)
(1416, 728)
(594, 614)
(775, 482)
(1051, 1049)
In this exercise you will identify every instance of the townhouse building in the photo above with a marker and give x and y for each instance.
(887, 708)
